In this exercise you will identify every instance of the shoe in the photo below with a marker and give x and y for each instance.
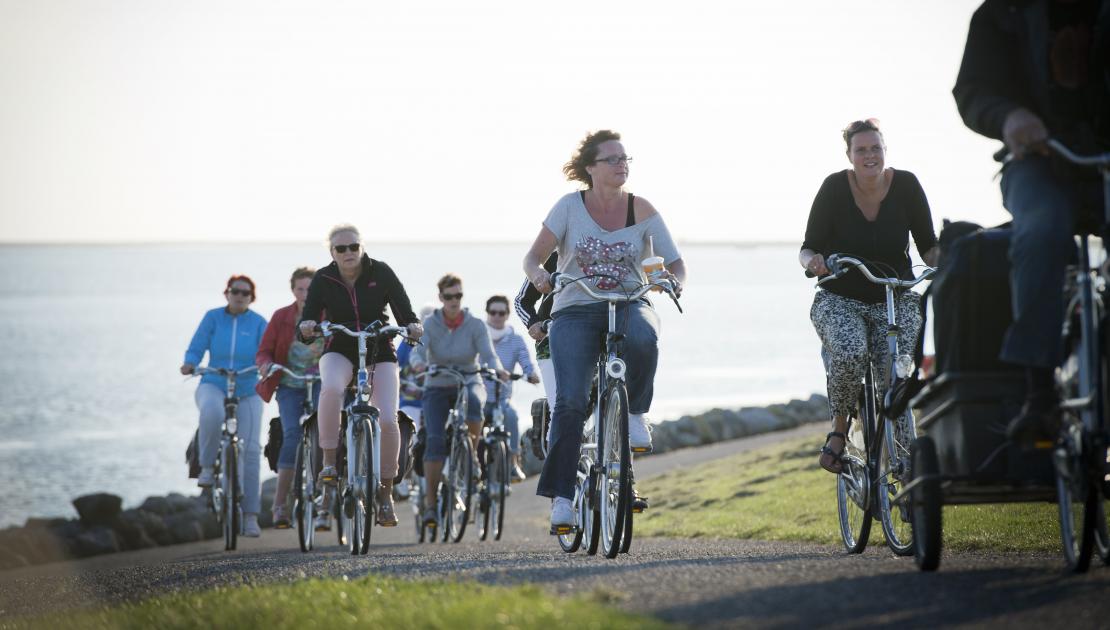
(431, 517)
(387, 517)
(322, 522)
(518, 474)
(835, 461)
(562, 516)
(250, 526)
(328, 476)
(281, 516)
(401, 491)
(207, 478)
(1036, 423)
(639, 435)
(639, 503)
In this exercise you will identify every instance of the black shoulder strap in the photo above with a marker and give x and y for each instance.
(630, 220)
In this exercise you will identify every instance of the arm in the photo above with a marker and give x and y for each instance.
(313, 307)
(921, 224)
(399, 302)
(541, 249)
(987, 86)
(201, 341)
(818, 230)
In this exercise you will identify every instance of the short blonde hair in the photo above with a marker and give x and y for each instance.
(341, 228)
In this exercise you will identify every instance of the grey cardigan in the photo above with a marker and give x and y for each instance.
(460, 348)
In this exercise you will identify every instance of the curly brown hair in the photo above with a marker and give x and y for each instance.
(448, 280)
(586, 155)
(300, 273)
(859, 126)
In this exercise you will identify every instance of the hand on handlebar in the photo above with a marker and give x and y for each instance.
(816, 265)
(534, 378)
(502, 376)
(308, 329)
(416, 331)
(265, 368)
(1024, 132)
(542, 282)
(187, 368)
(536, 331)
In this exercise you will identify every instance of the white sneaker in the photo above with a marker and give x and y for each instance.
(562, 516)
(639, 434)
(207, 477)
(250, 526)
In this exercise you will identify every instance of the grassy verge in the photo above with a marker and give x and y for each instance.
(364, 603)
(779, 493)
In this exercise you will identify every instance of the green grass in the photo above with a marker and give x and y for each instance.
(368, 602)
(779, 493)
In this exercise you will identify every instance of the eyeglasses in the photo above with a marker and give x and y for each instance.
(614, 160)
(497, 313)
(451, 296)
(341, 249)
(242, 292)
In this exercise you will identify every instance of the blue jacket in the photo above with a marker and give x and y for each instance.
(231, 341)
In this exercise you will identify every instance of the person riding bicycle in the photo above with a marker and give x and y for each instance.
(280, 345)
(511, 350)
(534, 317)
(602, 230)
(1031, 69)
(454, 338)
(867, 211)
(354, 291)
(230, 335)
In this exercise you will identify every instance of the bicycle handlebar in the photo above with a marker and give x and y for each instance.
(1101, 160)
(277, 367)
(375, 329)
(225, 372)
(562, 281)
(839, 265)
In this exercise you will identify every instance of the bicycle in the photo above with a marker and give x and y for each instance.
(877, 449)
(226, 493)
(308, 499)
(1080, 453)
(358, 491)
(603, 485)
(493, 452)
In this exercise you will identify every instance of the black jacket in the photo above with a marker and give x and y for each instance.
(1007, 64)
(377, 286)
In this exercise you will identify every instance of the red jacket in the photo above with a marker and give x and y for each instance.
(274, 347)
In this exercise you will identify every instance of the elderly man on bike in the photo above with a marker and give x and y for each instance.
(1033, 69)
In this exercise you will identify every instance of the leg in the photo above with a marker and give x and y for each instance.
(385, 397)
(512, 425)
(547, 376)
(641, 353)
(576, 336)
(436, 403)
(290, 402)
(335, 375)
(250, 435)
(210, 402)
(842, 327)
(474, 406)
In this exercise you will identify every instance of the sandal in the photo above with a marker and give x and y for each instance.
(837, 457)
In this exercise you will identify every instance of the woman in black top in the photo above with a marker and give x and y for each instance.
(867, 211)
(354, 291)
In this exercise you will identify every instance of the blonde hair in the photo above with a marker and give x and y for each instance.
(341, 228)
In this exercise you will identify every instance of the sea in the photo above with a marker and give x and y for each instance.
(91, 338)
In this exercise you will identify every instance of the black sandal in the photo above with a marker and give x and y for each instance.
(837, 458)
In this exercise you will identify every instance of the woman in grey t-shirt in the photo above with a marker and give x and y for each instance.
(600, 230)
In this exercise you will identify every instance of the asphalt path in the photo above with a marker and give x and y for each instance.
(701, 582)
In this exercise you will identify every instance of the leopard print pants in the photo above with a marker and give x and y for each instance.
(848, 328)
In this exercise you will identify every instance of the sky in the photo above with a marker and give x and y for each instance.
(155, 121)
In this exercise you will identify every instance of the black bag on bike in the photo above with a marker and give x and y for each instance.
(541, 419)
(971, 299)
(273, 443)
(192, 456)
(408, 444)
(418, 452)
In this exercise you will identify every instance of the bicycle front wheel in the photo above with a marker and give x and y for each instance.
(460, 486)
(304, 489)
(616, 466)
(1077, 499)
(230, 481)
(894, 468)
(367, 486)
(853, 490)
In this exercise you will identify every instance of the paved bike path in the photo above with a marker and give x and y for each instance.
(693, 581)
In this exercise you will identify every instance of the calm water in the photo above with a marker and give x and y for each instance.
(91, 400)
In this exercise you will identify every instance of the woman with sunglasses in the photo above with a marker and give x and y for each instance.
(602, 231)
(512, 351)
(354, 291)
(459, 340)
(230, 335)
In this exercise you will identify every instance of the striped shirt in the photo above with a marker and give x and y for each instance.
(512, 351)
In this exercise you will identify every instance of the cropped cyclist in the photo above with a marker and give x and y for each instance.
(455, 339)
(230, 336)
(867, 211)
(512, 352)
(601, 230)
(354, 290)
(1032, 69)
(280, 345)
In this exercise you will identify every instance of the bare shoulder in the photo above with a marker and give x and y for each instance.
(643, 209)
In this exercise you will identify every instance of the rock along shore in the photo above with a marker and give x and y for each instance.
(103, 526)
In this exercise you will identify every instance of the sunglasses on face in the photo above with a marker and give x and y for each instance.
(242, 292)
(497, 313)
(342, 249)
(451, 296)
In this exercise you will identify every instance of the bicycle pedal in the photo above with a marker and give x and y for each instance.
(1043, 445)
(640, 450)
(562, 530)
(637, 510)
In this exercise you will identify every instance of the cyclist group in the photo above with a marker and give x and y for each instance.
(1029, 68)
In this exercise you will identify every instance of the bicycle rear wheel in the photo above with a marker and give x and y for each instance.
(853, 484)
(499, 473)
(1076, 498)
(573, 541)
(304, 489)
(230, 478)
(460, 486)
(894, 470)
(616, 464)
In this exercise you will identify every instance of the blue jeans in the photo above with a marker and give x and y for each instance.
(1044, 205)
(437, 403)
(577, 338)
(512, 422)
(290, 401)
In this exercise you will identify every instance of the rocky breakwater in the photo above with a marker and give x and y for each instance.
(103, 526)
(718, 425)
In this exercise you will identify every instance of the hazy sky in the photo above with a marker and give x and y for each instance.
(144, 120)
